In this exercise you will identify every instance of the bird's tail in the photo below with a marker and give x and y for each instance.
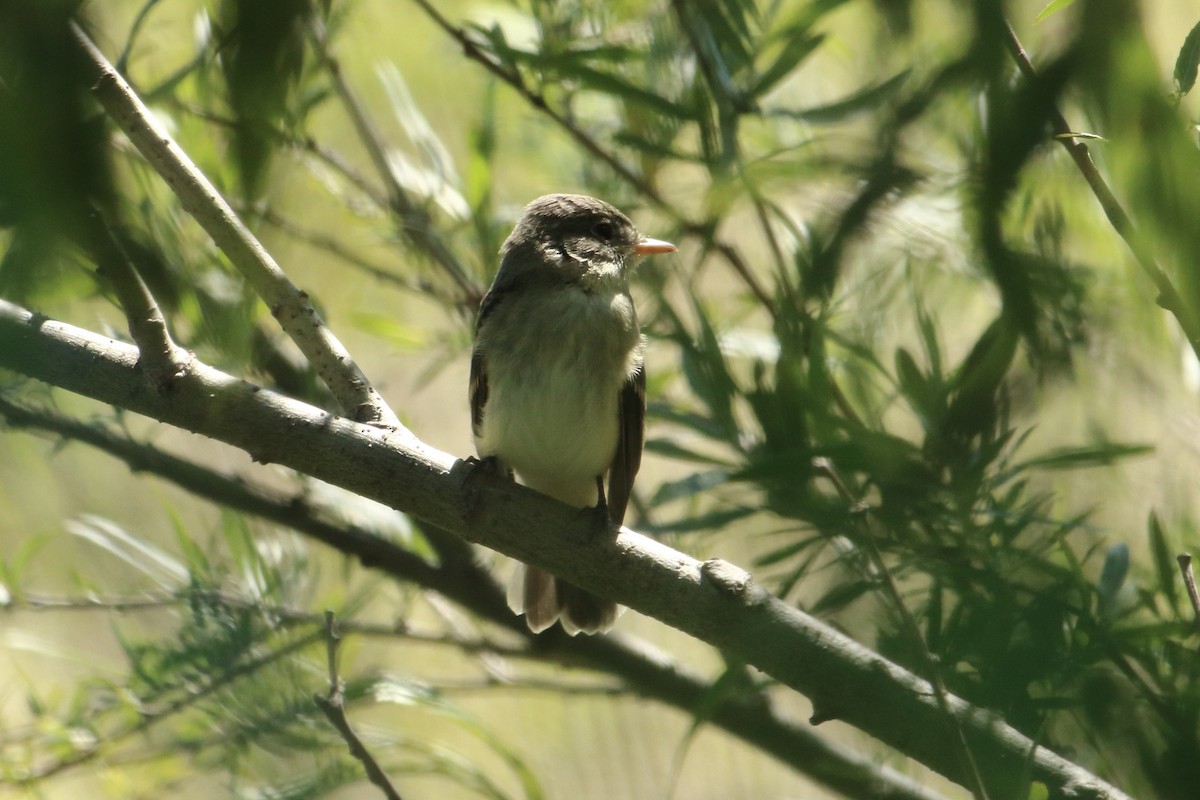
(544, 599)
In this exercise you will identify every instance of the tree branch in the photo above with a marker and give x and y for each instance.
(287, 303)
(713, 601)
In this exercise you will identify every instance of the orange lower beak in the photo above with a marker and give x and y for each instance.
(648, 247)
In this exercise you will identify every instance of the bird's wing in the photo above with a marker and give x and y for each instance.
(478, 385)
(631, 434)
(478, 388)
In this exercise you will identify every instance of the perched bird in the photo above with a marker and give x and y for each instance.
(558, 391)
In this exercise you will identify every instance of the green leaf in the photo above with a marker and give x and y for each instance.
(262, 60)
(789, 550)
(155, 563)
(610, 84)
(865, 100)
(702, 522)
(916, 389)
(673, 449)
(1188, 60)
(794, 51)
(1083, 457)
(841, 596)
(1164, 563)
(1053, 8)
(979, 378)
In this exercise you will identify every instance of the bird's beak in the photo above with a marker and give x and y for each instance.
(648, 247)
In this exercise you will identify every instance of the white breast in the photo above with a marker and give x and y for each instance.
(553, 384)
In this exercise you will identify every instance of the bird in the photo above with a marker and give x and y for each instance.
(558, 382)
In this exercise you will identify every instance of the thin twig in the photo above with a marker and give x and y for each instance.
(159, 356)
(371, 546)
(416, 222)
(281, 616)
(334, 708)
(1169, 297)
(135, 28)
(287, 303)
(1189, 580)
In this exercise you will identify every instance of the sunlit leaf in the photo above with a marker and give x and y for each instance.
(795, 50)
(1053, 7)
(1188, 61)
(156, 563)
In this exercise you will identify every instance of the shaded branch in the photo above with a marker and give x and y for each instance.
(713, 600)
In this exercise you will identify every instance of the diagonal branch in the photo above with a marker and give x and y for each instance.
(287, 303)
(713, 600)
(1168, 296)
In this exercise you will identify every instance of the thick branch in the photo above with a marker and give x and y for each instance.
(200, 199)
(713, 601)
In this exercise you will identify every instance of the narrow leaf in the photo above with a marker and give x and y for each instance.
(1083, 457)
(795, 51)
(1053, 8)
(690, 486)
(1188, 61)
(1164, 563)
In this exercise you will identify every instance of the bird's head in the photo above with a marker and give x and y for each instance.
(580, 238)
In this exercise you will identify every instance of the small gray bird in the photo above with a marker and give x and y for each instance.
(558, 391)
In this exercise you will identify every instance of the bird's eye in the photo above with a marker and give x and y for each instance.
(603, 230)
